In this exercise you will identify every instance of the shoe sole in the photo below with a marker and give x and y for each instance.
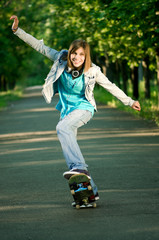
(67, 175)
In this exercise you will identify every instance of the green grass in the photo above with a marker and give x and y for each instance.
(149, 108)
(11, 95)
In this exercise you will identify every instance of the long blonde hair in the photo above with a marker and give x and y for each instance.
(76, 45)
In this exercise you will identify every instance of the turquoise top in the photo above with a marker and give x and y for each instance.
(72, 94)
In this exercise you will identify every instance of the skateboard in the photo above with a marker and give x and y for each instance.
(81, 191)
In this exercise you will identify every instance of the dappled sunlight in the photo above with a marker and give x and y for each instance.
(104, 106)
(146, 229)
(122, 146)
(32, 94)
(29, 206)
(28, 137)
(108, 157)
(31, 110)
(107, 118)
(86, 134)
(117, 132)
(6, 151)
(128, 190)
(31, 140)
(102, 133)
(34, 163)
(22, 134)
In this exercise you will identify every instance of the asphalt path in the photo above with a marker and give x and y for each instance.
(122, 152)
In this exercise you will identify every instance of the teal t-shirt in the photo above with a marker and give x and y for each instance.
(72, 94)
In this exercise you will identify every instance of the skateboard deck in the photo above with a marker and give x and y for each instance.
(81, 191)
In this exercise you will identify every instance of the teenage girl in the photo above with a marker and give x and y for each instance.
(73, 76)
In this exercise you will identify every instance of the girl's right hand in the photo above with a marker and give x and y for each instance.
(15, 23)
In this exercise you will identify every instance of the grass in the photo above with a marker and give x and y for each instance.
(11, 95)
(149, 108)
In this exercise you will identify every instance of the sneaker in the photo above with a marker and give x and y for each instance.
(72, 172)
(97, 196)
(73, 204)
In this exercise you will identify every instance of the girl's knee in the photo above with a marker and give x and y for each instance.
(59, 128)
(64, 129)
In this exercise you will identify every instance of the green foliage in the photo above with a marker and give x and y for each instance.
(9, 96)
(123, 30)
(17, 60)
(149, 109)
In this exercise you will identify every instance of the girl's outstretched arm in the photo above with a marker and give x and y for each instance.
(38, 45)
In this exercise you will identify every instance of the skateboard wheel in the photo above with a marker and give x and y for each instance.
(77, 206)
(89, 187)
(72, 192)
(94, 205)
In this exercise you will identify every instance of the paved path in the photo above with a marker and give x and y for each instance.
(123, 157)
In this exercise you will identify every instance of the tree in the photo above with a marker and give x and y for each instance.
(121, 33)
(17, 60)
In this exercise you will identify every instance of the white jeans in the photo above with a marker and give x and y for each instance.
(67, 132)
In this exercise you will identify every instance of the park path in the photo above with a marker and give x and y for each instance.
(123, 157)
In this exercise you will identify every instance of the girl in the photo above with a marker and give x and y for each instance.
(73, 76)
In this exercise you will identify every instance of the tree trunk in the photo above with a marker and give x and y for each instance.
(117, 74)
(134, 78)
(146, 63)
(157, 60)
(103, 62)
(124, 72)
(3, 83)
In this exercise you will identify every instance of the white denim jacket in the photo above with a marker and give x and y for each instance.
(92, 76)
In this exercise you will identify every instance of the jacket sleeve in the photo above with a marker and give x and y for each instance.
(103, 81)
(38, 45)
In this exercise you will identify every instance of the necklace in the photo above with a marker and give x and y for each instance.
(70, 89)
(74, 72)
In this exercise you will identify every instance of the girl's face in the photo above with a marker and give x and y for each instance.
(78, 57)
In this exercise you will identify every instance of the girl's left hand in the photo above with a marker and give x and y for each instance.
(136, 106)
